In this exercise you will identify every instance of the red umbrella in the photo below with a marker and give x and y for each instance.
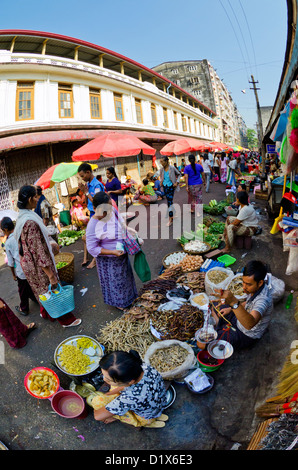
(180, 146)
(220, 146)
(112, 145)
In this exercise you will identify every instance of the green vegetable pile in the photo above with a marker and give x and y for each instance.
(67, 237)
(209, 232)
(214, 207)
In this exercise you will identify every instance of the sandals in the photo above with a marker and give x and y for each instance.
(77, 322)
(155, 424)
(32, 326)
(22, 312)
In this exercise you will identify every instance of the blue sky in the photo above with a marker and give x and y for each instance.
(238, 37)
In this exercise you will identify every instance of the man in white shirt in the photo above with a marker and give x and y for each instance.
(243, 323)
(13, 261)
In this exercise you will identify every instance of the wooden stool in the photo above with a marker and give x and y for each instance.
(244, 242)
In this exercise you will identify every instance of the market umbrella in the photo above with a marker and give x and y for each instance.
(183, 145)
(220, 145)
(112, 145)
(58, 173)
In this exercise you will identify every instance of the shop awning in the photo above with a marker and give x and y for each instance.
(31, 139)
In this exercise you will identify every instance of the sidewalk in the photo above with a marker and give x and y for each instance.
(215, 420)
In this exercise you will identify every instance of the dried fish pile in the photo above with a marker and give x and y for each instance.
(172, 272)
(125, 334)
(167, 359)
(236, 286)
(178, 324)
(195, 281)
(161, 286)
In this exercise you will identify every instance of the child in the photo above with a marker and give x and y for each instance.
(78, 217)
(146, 194)
(157, 188)
(12, 253)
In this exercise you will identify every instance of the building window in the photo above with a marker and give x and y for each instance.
(153, 115)
(25, 101)
(165, 117)
(184, 126)
(118, 107)
(174, 71)
(189, 125)
(191, 68)
(139, 114)
(95, 103)
(175, 120)
(65, 101)
(197, 93)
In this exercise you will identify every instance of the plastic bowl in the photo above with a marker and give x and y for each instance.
(68, 404)
(204, 357)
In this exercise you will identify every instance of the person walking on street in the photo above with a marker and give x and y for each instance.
(13, 261)
(12, 329)
(194, 179)
(168, 181)
(205, 162)
(36, 254)
(89, 189)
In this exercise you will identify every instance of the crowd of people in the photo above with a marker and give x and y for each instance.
(32, 242)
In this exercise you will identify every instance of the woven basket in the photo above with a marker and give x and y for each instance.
(165, 257)
(66, 273)
(189, 252)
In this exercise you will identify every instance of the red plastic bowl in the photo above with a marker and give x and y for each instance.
(203, 357)
(26, 380)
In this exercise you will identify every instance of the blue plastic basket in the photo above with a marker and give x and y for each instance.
(61, 303)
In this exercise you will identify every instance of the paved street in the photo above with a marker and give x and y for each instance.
(215, 420)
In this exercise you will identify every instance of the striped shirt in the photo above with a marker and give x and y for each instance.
(262, 303)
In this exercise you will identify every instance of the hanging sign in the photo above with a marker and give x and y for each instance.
(270, 148)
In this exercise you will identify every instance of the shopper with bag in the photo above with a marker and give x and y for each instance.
(109, 241)
(36, 254)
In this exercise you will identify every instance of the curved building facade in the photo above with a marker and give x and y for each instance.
(56, 93)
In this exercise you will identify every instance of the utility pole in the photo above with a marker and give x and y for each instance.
(260, 124)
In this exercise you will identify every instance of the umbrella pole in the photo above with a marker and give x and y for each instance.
(139, 169)
(57, 195)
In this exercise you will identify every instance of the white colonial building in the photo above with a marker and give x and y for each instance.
(56, 93)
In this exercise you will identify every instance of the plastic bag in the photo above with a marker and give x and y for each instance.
(277, 287)
(180, 371)
(142, 267)
(292, 266)
(210, 286)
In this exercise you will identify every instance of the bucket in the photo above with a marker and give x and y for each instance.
(69, 404)
(65, 218)
(208, 363)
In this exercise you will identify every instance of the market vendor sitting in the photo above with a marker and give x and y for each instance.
(244, 225)
(137, 394)
(233, 209)
(243, 323)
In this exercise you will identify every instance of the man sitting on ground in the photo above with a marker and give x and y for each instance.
(250, 319)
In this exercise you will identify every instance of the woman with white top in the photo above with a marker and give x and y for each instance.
(245, 224)
(205, 162)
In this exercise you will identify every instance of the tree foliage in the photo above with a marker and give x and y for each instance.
(252, 139)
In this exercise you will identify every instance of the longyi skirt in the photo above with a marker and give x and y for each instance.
(116, 280)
